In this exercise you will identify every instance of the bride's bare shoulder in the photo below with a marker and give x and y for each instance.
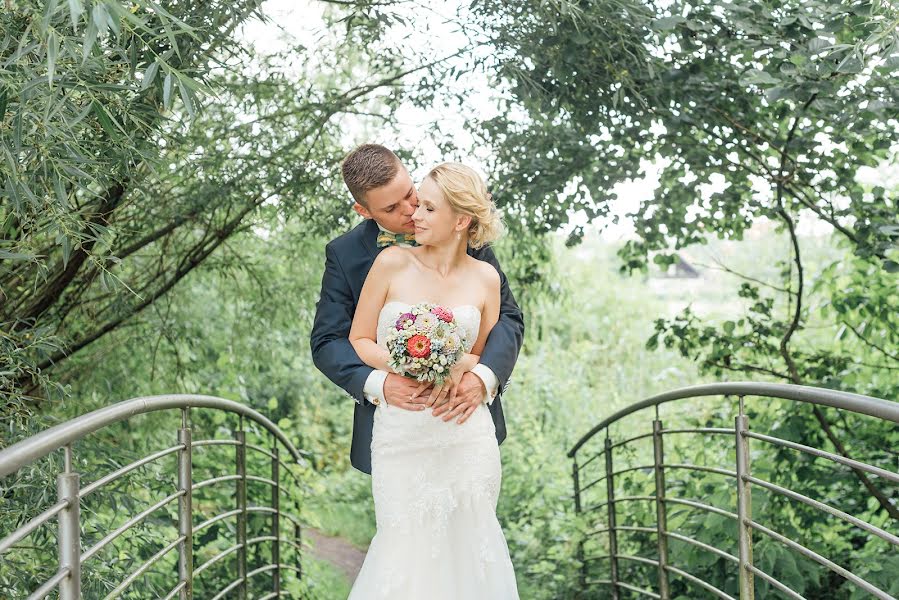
(485, 272)
(393, 258)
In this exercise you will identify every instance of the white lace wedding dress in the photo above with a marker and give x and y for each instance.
(435, 486)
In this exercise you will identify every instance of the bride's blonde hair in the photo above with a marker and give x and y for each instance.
(467, 193)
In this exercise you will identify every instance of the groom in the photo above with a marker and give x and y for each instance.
(386, 198)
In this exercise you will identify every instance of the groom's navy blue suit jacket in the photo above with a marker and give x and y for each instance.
(348, 259)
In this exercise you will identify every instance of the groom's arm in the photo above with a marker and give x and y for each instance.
(332, 352)
(506, 337)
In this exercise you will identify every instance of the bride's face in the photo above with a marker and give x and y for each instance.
(435, 220)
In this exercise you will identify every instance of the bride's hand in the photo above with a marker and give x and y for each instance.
(440, 394)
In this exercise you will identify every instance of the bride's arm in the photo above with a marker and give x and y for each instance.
(468, 361)
(364, 332)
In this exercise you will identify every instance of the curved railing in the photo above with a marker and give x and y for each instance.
(282, 555)
(607, 491)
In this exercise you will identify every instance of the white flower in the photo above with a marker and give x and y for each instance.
(426, 322)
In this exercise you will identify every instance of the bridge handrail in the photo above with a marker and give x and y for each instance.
(70, 493)
(588, 506)
(866, 405)
(40, 445)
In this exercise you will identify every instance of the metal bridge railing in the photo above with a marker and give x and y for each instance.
(599, 500)
(73, 558)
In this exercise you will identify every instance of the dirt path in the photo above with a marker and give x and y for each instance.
(337, 551)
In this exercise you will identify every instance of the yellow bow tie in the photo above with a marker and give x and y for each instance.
(385, 238)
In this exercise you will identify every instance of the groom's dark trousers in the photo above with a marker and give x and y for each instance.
(348, 259)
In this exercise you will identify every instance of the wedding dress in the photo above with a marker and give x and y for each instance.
(435, 486)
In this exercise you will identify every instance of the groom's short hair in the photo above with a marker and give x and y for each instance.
(368, 167)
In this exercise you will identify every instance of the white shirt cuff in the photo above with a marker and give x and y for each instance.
(373, 390)
(491, 384)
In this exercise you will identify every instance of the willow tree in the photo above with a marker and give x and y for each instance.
(138, 138)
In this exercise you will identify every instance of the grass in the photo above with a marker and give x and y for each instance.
(326, 582)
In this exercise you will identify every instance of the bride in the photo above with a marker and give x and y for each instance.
(435, 483)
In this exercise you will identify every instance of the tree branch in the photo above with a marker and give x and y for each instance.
(860, 336)
(740, 368)
(722, 267)
(51, 293)
(188, 264)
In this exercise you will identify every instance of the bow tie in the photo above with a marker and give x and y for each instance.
(385, 238)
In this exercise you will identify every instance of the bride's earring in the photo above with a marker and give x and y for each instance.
(458, 236)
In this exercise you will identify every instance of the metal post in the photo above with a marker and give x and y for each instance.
(241, 448)
(67, 488)
(577, 509)
(185, 510)
(661, 514)
(744, 505)
(613, 533)
(276, 522)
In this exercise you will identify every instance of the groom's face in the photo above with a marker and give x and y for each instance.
(392, 205)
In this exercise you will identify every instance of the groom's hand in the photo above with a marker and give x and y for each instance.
(401, 392)
(462, 400)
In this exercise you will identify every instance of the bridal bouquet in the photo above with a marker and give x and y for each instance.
(425, 343)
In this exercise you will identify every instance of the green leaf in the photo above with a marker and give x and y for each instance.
(132, 57)
(59, 189)
(17, 131)
(90, 38)
(850, 64)
(185, 97)
(758, 78)
(76, 9)
(667, 23)
(12, 192)
(777, 93)
(818, 45)
(6, 255)
(167, 91)
(3, 103)
(105, 120)
(101, 19)
(149, 75)
(788, 68)
(52, 50)
(114, 22)
(841, 333)
(66, 250)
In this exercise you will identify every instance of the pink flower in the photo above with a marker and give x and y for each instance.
(444, 314)
(405, 320)
(419, 346)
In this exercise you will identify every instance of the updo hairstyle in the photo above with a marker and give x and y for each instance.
(467, 193)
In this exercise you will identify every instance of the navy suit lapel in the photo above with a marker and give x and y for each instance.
(370, 237)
